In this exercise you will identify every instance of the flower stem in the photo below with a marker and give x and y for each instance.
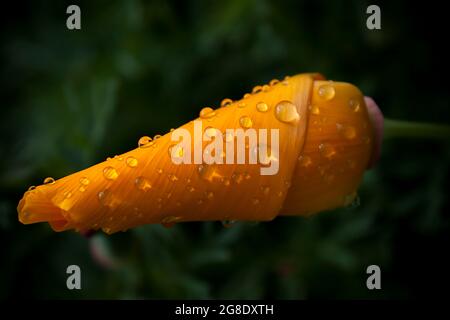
(406, 129)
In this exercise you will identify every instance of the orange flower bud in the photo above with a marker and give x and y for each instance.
(324, 141)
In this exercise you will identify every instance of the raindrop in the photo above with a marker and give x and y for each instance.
(327, 150)
(132, 162)
(156, 137)
(49, 180)
(285, 111)
(226, 102)
(305, 161)
(262, 107)
(144, 141)
(314, 109)
(257, 89)
(245, 122)
(347, 132)
(110, 173)
(31, 188)
(84, 181)
(142, 183)
(247, 95)
(274, 82)
(326, 92)
(207, 113)
(354, 105)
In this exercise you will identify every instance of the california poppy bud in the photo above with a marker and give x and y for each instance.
(306, 144)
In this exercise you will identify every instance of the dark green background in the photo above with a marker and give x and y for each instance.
(72, 98)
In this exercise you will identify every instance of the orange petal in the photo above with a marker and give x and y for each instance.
(145, 186)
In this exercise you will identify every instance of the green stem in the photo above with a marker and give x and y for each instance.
(406, 129)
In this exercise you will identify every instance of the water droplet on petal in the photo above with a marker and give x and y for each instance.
(49, 180)
(144, 141)
(226, 102)
(245, 122)
(257, 89)
(142, 184)
(262, 107)
(207, 113)
(110, 173)
(31, 188)
(265, 88)
(132, 162)
(247, 95)
(347, 132)
(314, 109)
(354, 105)
(327, 150)
(107, 199)
(305, 161)
(84, 181)
(285, 111)
(241, 105)
(274, 82)
(326, 92)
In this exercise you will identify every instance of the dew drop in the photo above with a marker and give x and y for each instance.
(327, 150)
(207, 113)
(274, 82)
(156, 137)
(262, 107)
(226, 102)
(305, 161)
(107, 199)
(142, 184)
(245, 122)
(84, 181)
(353, 105)
(314, 109)
(265, 88)
(247, 95)
(285, 111)
(132, 162)
(82, 189)
(326, 92)
(110, 173)
(144, 142)
(31, 188)
(347, 132)
(49, 180)
(67, 194)
(257, 89)
(241, 105)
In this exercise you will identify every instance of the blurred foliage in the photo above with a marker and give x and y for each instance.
(72, 98)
